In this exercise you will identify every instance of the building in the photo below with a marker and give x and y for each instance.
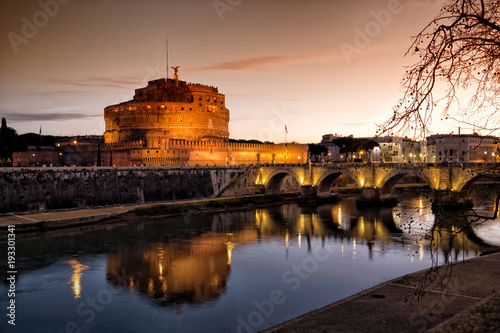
(80, 150)
(395, 149)
(173, 109)
(174, 123)
(333, 154)
(38, 156)
(467, 148)
(71, 151)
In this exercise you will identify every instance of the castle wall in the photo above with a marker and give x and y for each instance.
(40, 189)
(193, 153)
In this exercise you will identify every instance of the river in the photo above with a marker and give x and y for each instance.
(227, 272)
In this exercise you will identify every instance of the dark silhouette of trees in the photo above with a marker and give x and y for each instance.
(457, 71)
(9, 143)
(317, 150)
(351, 147)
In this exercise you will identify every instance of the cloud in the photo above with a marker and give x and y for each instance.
(258, 63)
(250, 119)
(47, 116)
(361, 123)
(96, 81)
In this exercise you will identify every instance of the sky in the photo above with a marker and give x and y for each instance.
(318, 67)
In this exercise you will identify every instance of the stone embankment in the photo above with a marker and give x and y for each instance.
(47, 189)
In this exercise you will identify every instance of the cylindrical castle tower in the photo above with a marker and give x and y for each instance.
(187, 111)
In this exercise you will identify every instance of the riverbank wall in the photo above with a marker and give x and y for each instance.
(45, 189)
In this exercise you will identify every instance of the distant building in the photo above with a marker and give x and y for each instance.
(37, 156)
(71, 151)
(333, 154)
(395, 149)
(467, 148)
(80, 150)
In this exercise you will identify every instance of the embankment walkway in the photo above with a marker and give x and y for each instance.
(463, 297)
(29, 222)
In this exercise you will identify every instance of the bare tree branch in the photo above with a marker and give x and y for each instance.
(458, 70)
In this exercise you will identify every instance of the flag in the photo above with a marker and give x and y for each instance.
(286, 130)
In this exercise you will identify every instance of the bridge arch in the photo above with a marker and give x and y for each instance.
(390, 179)
(325, 182)
(468, 181)
(274, 181)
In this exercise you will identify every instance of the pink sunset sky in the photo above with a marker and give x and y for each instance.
(317, 66)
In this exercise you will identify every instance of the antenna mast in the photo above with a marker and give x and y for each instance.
(167, 57)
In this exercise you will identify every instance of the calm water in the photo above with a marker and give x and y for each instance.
(229, 272)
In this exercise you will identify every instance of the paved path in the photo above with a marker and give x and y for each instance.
(467, 302)
(74, 217)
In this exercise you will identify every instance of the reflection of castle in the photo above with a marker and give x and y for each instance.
(172, 122)
(172, 274)
(196, 269)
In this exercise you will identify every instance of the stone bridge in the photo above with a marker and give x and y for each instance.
(376, 180)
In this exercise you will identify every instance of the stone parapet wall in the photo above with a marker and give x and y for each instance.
(41, 189)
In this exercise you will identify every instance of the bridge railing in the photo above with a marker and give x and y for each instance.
(378, 164)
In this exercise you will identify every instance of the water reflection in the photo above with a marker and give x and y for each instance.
(77, 275)
(196, 269)
(202, 272)
(451, 232)
(193, 271)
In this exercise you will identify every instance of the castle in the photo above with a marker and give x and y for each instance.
(174, 123)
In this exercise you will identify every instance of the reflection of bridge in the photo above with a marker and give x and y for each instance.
(375, 180)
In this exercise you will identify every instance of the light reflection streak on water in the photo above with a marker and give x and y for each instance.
(78, 269)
